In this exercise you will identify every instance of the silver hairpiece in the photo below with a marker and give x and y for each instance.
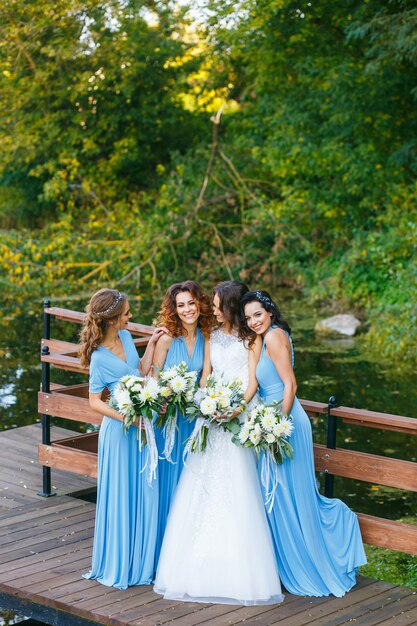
(113, 305)
(263, 298)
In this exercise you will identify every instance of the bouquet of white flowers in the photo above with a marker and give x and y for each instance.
(267, 429)
(178, 387)
(215, 405)
(136, 398)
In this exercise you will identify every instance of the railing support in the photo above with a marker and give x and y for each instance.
(331, 443)
(45, 419)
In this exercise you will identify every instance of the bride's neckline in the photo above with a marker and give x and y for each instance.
(234, 332)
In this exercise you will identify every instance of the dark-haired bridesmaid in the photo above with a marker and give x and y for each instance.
(187, 315)
(317, 540)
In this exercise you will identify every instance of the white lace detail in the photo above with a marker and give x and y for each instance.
(229, 357)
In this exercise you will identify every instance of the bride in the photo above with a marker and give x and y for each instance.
(217, 545)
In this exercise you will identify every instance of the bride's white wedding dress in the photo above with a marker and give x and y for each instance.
(217, 545)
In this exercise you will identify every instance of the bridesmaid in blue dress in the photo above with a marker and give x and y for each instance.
(127, 506)
(317, 540)
(187, 315)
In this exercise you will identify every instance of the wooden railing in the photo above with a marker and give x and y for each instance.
(79, 454)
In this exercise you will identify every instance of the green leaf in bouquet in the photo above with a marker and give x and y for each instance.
(233, 426)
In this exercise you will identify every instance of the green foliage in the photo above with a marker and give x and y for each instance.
(309, 181)
(89, 102)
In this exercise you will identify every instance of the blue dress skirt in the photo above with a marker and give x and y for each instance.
(170, 472)
(127, 507)
(317, 540)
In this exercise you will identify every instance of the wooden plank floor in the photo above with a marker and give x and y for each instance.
(45, 545)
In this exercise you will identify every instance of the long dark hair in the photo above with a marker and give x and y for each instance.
(230, 293)
(265, 300)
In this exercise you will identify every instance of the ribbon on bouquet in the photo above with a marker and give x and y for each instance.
(196, 435)
(269, 478)
(151, 448)
(169, 435)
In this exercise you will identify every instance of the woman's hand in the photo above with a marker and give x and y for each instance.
(163, 408)
(228, 415)
(157, 333)
(138, 424)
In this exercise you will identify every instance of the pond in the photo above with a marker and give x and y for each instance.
(323, 367)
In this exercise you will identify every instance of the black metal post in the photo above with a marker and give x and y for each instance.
(331, 443)
(45, 419)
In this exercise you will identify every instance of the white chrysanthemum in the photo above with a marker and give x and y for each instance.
(150, 391)
(131, 381)
(208, 406)
(169, 373)
(223, 402)
(268, 421)
(123, 400)
(287, 427)
(136, 388)
(270, 438)
(178, 384)
(255, 437)
(244, 433)
(166, 392)
(278, 430)
(224, 391)
(258, 429)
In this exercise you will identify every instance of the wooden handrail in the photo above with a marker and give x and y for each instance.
(76, 316)
(370, 468)
(361, 417)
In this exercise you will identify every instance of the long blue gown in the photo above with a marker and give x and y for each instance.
(169, 472)
(127, 507)
(317, 540)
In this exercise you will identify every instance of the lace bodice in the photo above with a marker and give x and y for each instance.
(229, 357)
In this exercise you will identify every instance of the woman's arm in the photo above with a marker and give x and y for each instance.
(97, 404)
(254, 355)
(207, 365)
(160, 354)
(145, 363)
(279, 351)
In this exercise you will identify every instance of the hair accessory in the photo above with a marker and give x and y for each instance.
(113, 305)
(263, 298)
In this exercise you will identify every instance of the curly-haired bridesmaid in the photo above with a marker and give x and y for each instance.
(186, 314)
(127, 506)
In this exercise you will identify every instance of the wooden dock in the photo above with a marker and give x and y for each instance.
(46, 544)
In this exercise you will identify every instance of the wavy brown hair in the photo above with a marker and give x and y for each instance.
(105, 306)
(230, 293)
(168, 316)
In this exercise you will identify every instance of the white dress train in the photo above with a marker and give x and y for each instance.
(217, 545)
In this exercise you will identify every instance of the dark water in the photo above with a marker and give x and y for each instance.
(323, 368)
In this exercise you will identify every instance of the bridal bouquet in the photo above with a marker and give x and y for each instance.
(214, 405)
(136, 398)
(267, 430)
(178, 387)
